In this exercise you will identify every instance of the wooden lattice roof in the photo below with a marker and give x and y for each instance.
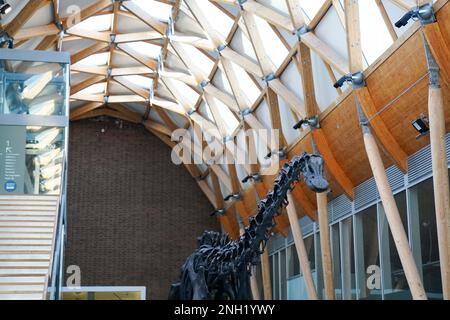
(230, 65)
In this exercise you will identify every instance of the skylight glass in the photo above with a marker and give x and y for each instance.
(146, 49)
(375, 37)
(97, 23)
(98, 59)
(140, 81)
(250, 89)
(156, 9)
(98, 88)
(227, 116)
(242, 44)
(219, 20)
(311, 7)
(273, 46)
(186, 91)
(198, 58)
(206, 110)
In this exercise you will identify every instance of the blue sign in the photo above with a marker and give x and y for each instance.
(10, 186)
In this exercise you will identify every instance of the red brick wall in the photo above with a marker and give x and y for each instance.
(133, 216)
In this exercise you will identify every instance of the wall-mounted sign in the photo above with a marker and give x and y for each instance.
(12, 159)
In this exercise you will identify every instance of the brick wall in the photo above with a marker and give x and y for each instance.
(133, 216)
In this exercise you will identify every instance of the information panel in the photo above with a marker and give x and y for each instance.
(12, 159)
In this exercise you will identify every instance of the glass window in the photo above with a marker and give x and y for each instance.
(272, 276)
(336, 260)
(424, 236)
(318, 269)
(258, 275)
(275, 271)
(293, 262)
(33, 88)
(296, 286)
(367, 257)
(394, 281)
(309, 244)
(347, 260)
(395, 284)
(283, 273)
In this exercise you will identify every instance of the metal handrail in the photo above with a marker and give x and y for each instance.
(54, 275)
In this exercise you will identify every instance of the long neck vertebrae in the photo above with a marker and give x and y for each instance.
(261, 225)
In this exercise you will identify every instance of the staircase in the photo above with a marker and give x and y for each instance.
(27, 233)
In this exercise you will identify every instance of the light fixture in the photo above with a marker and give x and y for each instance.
(312, 122)
(421, 126)
(5, 8)
(5, 38)
(423, 13)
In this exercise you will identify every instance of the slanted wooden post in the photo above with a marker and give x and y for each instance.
(265, 268)
(301, 249)
(253, 280)
(392, 213)
(254, 285)
(440, 168)
(373, 153)
(325, 248)
(440, 182)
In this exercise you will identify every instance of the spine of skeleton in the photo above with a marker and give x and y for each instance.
(257, 233)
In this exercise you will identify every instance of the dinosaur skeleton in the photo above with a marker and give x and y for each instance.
(220, 268)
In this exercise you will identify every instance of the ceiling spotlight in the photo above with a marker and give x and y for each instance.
(6, 39)
(424, 14)
(421, 126)
(5, 8)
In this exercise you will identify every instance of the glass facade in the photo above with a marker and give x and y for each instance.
(34, 100)
(367, 247)
(366, 264)
(33, 88)
(34, 120)
(296, 287)
(424, 236)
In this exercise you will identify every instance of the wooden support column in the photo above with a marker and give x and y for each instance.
(311, 108)
(393, 217)
(436, 117)
(265, 268)
(301, 249)
(440, 182)
(380, 129)
(325, 247)
(254, 285)
(364, 102)
(299, 193)
(440, 47)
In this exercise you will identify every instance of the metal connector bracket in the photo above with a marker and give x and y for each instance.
(245, 112)
(301, 31)
(356, 79)
(424, 14)
(269, 77)
(218, 213)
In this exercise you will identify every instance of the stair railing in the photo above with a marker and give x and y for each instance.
(55, 278)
